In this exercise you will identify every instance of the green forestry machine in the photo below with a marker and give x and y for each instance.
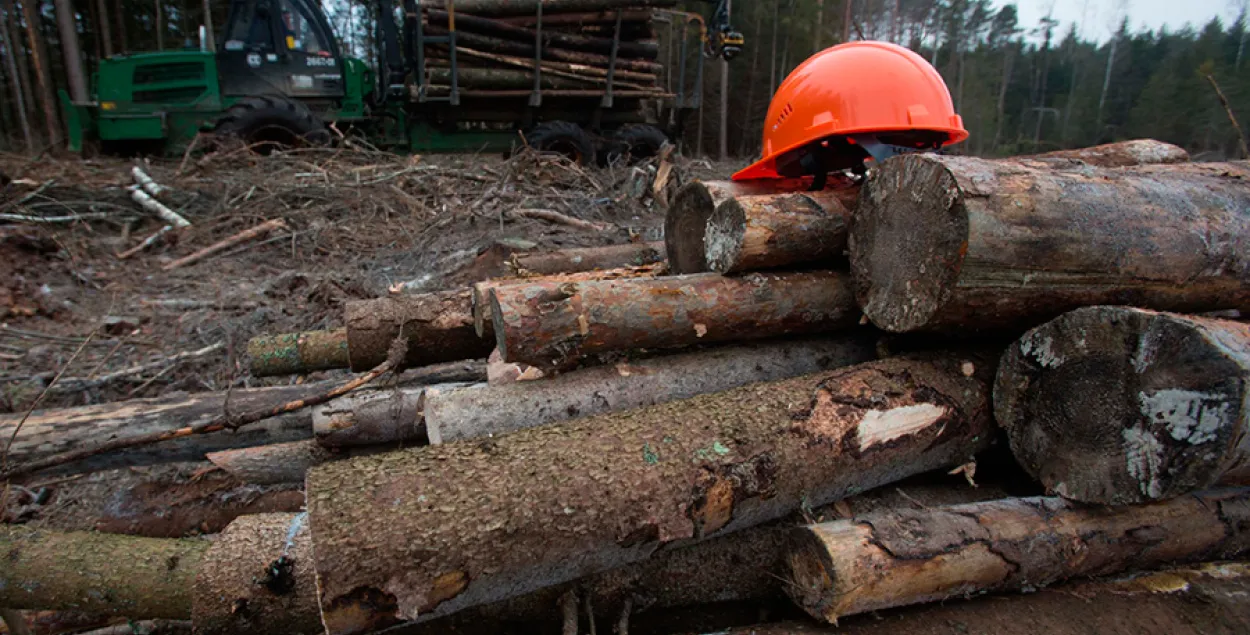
(276, 75)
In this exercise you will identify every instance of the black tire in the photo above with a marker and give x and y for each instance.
(563, 138)
(639, 142)
(267, 123)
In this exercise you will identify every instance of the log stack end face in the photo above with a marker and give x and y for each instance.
(1116, 405)
(907, 242)
(684, 224)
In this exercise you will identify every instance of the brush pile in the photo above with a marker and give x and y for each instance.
(622, 437)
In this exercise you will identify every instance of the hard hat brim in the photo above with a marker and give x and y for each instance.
(766, 168)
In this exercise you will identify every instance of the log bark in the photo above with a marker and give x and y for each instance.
(749, 233)
(524, 7)
(275, 463)
(570, 41)
(51, 432)
(439, 59)
(507, 78)
(486, 411)
(438, 327)
(421, 533)
(685, 220)
(292, 353)
(943, 243)
(1120, 154)
(585, 259)
(1118, 405)
(483, 317)
(98, 573)
(367, 418)
(526, 49)
(637, 19)
(554, 325)
(904, 557)
(258, 577)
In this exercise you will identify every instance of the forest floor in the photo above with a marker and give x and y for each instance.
(356, 224)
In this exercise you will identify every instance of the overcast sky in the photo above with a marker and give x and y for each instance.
(1099, 14)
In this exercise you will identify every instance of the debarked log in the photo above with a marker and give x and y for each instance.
(749, 233)
(98, 573)
(1117, 405)
(943, 243)
(421, 533)
(554, 325)
(451, 414)
(483, 321)
(585, 259)
(903, 557)
(438, 327)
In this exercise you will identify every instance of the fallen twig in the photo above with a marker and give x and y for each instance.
(156, 207)
(568, 607)
(224, 422)
(148, 184)
(557, 217)
(83, 383)
(72, 218)
(1241, 136)
(4, 461)
(243, 236)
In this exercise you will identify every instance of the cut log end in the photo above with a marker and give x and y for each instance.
(920, 268)
(1117, 405)
(684, 225)
(726, 230)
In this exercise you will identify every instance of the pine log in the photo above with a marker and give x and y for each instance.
(438, 327)
(371, 417)
(749, 233)
(524, 7)
(570, 41)
(636, 18)
(945, 243)
(49, 432)
(685, 220)
(903, 557)
(485, 411)
(506, 78)
(291, 353)
(98, 573)
(554, 325)
(421, 533)
(258, 578)
(275, 463)
(1120, 154)
(586, 259)
(440, 59)
(526, 49)
(483, 318)
(1118, 405)
(1207, 599)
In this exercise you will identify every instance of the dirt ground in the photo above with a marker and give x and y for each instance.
(357, 223)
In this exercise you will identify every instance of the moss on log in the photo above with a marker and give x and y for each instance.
(421, 533)
(291, 353)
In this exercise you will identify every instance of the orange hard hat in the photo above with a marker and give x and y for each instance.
(851, 100)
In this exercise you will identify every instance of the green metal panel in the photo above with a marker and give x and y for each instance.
(78, 121)
(122, 127)
(423, 137)
(158, 82)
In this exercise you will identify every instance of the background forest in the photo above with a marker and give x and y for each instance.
(1019, 87)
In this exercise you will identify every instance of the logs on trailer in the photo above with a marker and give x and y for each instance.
(524, 7)
(488, 44)
(554, 325)
(586, 259)
(98, 573)
(586, 20)
(438, 327)
(903, 557)
(483, 321)
(748, 233)
(945, 243)
(258, 578)
(49, 432)
(571, 41)
(291, 353)
(1118, 405)
(421, 533)
(483, 411)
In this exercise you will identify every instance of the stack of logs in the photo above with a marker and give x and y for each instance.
(578, 47)
(650, 433)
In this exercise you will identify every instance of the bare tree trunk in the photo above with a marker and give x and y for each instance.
(1008, 59)
(1106, 78)
(208, 25)
(160, 26)
(895, 20)
(120, 17)
(748, 127)
(818, 29)
(43, 73)
(105, 36)
(12, 55)
(67, 23)
(772, 69)
(847, 17)
(724, 99)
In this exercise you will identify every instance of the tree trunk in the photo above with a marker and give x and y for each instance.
(438, 327)
(49, 432)
(1159, 400)
(488, 411)
(555, 325)
(494, 8)
(292, 353)
(904, 557)
(119, 14)
(557, 39)
(258, 577)
(847, 17)
(1120, 154)
(426, 532)
(42, 71)
(274, 463)
(98, 573)
(749, 233)
(948, 243)
(16, 83)
(160, 26)
(1008, 58)
(483, 318)
(724, 96)
(818, 29)
(685, 220)
(208, 24)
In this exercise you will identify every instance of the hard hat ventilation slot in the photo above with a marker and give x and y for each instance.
(785, 112)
